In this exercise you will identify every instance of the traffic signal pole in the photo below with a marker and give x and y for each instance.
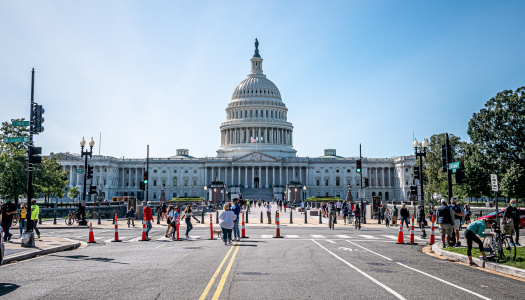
(449, 172)
(363, 217)
(147, 169)
(29, 230)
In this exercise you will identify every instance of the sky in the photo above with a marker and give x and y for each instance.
(161, 73)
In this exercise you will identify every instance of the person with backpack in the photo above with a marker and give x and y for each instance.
(130, 216)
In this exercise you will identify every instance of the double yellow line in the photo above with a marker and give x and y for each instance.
(224, 275)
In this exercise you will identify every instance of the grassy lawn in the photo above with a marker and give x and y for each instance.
(520, 255)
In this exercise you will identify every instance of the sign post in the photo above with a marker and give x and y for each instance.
(495, 188)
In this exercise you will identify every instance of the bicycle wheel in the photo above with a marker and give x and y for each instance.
(69, 221)
(509, 248)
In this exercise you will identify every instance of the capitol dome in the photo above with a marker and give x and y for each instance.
(256, 86)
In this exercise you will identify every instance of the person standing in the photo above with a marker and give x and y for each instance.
(445, 219)
(131, 216)
(188, 214)
(458, 215)
(338, 207)
(332, 213)
(35, 211)
(382, 212)
(345, 213)
(23, 216)
(387, 218)
(513, 213)
(164, 211)
(226, 221)
(269, 212)
(357, 213)
(236, 208)
(302, 207)
(149, 219)
(395, 212)
(421, 220)
(476, 227)
(467, 213)
(170, 218)
(8, 212)
(404, 215)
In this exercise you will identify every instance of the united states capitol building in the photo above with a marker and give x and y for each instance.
(256, 158)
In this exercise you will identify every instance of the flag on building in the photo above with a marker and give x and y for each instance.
(253, 140)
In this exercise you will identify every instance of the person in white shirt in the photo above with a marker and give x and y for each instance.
(338, 207)
(226, 220)
(269, 212)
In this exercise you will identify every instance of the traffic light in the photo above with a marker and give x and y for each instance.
(38, 111)
(444, 159)
(460, 174)
(366, 182)
(92, 189)
(358, 166)
(413, 190)
(34, 153)
(416, 173)
(89, 172)
(142, 186)
(145, 177)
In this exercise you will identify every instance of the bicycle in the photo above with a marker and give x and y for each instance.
(500, 246)
(72, 218)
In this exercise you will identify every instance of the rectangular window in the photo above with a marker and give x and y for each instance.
(174, 195)
(271, 114)
(155, 182)
(164, 182)
(317, 182)
(326, 182)
(154, 195)
(185, 182)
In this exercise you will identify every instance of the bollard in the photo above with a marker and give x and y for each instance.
(144, 237)
(99, 221)
(114, 212)
(211, 226)
(116, 230)
(202, 221)
(278, 229)
(55, 217)
(39, 218)
(261, 217)
(217, 217)
(432, 238)
(158, 215)
(291, 220)
(177, 226)
(320, 218)
(305, 218)
(243, 230)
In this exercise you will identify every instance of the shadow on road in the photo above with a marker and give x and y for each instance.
(6, 288)
(99, 259)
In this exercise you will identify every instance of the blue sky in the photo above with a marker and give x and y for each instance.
(350, 72)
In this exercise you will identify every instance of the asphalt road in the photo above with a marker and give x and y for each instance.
(313, 263)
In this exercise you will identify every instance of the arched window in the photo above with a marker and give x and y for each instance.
(381, 195)
(251, 113)
(174, 181)
(386, 196)
(326, 182)
(373, 194)
(318, 182)
(337, 183)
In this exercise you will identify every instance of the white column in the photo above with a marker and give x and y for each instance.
(273, 176)
(266, 183)
(306, 180)
(301, 175)
(245, 177)
(233, 171)
(137, 176)
(212, 173)
(129, 178)
(377, 177)
(253, 177)
(383, 177)
(239, 176)
(280, 176)
(260, 177)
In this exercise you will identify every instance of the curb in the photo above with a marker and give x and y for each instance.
(32, 253)
(436, 248)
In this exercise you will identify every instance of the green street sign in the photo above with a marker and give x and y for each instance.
(20, 123)
(18, 139)
(80, 170)
(453, 166)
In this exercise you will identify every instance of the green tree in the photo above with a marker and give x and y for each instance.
(73, 193)
(512, 183)
(477, 173)
(8, 130)
(49, 178)
(13, 173)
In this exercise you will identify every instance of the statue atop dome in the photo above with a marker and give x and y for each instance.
(256, 54)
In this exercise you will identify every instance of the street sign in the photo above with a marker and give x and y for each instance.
(17, 139)
(494, 182)
(20, 123)
(361, 194)
(454, 165)
(80, 170)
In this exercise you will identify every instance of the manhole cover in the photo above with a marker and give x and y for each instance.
(376, 264)
(253, 273)
(382, 271)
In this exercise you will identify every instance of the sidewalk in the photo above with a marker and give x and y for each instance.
(44, 245)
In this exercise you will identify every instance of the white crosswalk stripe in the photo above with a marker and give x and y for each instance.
(317, 236)
(394, 237)
(342, 236)
(369, 237)
(292, 236)
(266, 236)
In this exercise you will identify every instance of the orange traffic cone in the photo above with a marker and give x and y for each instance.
(116, 231)
(91, 236)
(243, 230)
(400, 237)
(278, 230)
(432, 238)
(144, 237)
(412, 232)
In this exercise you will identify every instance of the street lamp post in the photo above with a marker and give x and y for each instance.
(421, 153)
(82, 208)
(205, 193)
(304, 195)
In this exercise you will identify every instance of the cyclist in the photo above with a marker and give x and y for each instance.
(513, 213)
(474, 228)
(357, 212)
(331, 214)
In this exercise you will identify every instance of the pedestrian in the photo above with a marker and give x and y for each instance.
(357, 213)
(395, 212)
(23, 216)
(8, 213)
(130, 216)
(421, 220)
(476, 227)
(382, 212)
(431, 212)
(188, 214)
(467, 213)
(338, 207)
(404, 215)
(387, 217)
(323, 209)
(302, 207)
(284, 204)
(227, 218)
(149, 219)
(269, 212)
(35, 211)
(344, 211)
(445, 219)
(236, 208)
(332, 215)
(458, 215)
(513, 213)
(169, 219)
(164, 211)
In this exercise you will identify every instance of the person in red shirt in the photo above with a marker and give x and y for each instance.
(149, 218)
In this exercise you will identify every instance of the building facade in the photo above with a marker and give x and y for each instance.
(256, 158)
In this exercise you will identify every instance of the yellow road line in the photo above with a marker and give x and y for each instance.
(212, 280)
(225, 276)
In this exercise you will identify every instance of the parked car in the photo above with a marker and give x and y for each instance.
(492, 216)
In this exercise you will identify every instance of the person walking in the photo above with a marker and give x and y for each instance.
(357, 212)
(345, 213)
(35, 211)
(387, 217)
(473, 229)
(8, 213)
(130, 216)
(395, 212)
(226, 221)
(445, 219)
(23, 216)
(269, 212)
(236, 208)
(421, 220)
(513, 213)
(404, 215)
(467, 210)
(302, 207)
(149, 219)
(458, 215)
(164, 211)
(169, 220)
(382, 213)
(338, 207)
(188, 214)
(332, 214)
